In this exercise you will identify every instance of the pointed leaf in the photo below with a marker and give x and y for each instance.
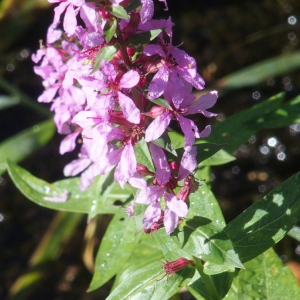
(8, 101)
(116, 246)
(147, 284)
(265, 277)
(204, 204)
(162, 102)
(147, 251)
(267, 221)
(39, 190)
(237, 129)
(119, 12)
(110, 29)
(261, 71)
(295, 233)
(145, 37)
(165, 143)
(107, 53)
(206, 240)
(19, 146)
(143, 155)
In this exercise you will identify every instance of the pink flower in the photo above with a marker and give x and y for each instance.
(176, 64)
(189, 128)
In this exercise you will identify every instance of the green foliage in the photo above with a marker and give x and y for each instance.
(21, 145)
(88, 202)
(267, 221)
(264, 277)
(218, 250)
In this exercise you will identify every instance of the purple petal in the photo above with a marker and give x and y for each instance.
(57, 13)
(152, 214)
(158, 83)
(86, 119)
(127, 165)
(130, 111)
(188, 163)
(152, 49)
(179, 207)
(130, 79)
(70, 21)
(48, 94)
(68, 144)
(76, 166)
(147, 10)
(170, 221)
(189, 129)
(206, 101)
(205, 132)
(87, 178)
(161, 164)
(150, 194)
(158, 127)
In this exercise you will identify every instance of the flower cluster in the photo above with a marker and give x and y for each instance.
(116, 82)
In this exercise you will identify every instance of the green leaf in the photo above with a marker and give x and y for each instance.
(143, 38)
(162, 102)
(206, 240)
(209, 286)
(8, 101)
(116, 246)
(207, 150)
(261, 71)
(221, 283)
(204, 204)
(267, 221)
(110, 29)
(202, 238)
(38, 191)
(219, 158)
(295, 233)
(177, 139)
(285, 115)
(21, 145)
(119, 12)
(165, 143)
(143, 155)
(148, 284)
(132, 5)
(265, 277)
(107, 53)
(237, 129)
(147, 251)
(204, 151)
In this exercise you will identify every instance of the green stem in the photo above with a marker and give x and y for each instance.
(23, 98)
(206, 280)
(123, 47)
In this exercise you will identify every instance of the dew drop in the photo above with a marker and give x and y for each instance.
(46, 189)
(36, 128)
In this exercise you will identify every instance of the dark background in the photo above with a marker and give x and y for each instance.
(223, 36)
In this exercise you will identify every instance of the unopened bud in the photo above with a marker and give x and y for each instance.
(177, 265)
(156, 111)
(143, 170)
(174, 166)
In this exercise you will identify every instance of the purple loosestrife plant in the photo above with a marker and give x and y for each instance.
(111, 90)
(119, 88)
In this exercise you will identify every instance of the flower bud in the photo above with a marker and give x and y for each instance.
(174, 166)
(143, 170)
(156, 111)
(177, 265)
